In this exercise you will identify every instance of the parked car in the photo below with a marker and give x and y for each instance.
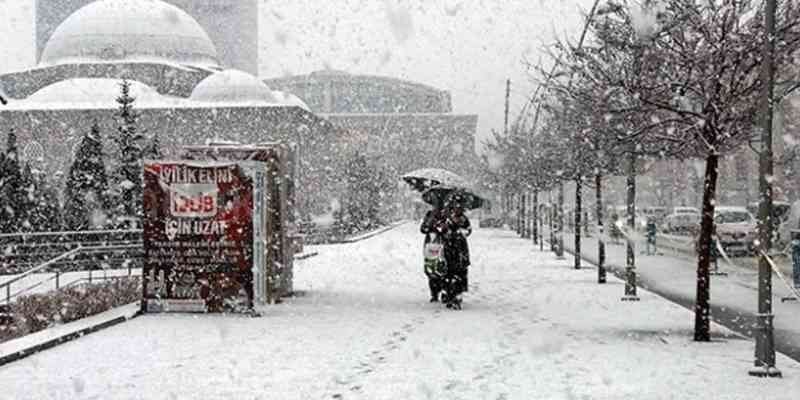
(736, 229)
(622, 215)
(685, 210)
(686, 223)
(789, 222)
(781, 214)
(658, 213)
(490, 221)
(780, 210)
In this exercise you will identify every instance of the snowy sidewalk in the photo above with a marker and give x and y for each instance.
(531, 328)
(733, 297)
(27, 345)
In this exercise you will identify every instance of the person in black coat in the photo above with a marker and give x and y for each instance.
(434, 223)
(456, 253)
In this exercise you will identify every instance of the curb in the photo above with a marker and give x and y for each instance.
(20, 354)
(304, 256)
(373, 233)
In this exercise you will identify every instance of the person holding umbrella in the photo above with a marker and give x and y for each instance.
(456, 252)
(445, 249)
(434, 227)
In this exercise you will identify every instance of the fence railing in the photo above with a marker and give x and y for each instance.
(22, 251)
(52, 270)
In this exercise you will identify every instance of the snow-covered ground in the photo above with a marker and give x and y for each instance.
(531, 328)
(733, 296)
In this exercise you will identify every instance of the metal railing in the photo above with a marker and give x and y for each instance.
(6, 286)
(21, 251)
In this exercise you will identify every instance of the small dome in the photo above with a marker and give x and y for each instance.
(124, 30)
(329, 72)
(232, 86)
(289, 99)
(101, 92)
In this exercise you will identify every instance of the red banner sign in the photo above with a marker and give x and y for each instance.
(198, 236)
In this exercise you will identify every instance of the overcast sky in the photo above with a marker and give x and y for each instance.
(468, 47)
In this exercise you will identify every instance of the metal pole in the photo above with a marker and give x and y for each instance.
(58, 274)
(578, 211)
(601, 245)
(535, 221)
(551, 214)
(541, 232)
(630, 266)
(505, 121)
(765, 342)
(560, 221)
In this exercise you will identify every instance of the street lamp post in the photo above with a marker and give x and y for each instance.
(560, 222)
(765, 342)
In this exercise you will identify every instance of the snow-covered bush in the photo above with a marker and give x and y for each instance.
(40, 311)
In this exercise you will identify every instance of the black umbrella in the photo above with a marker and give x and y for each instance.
(426, 178)
(448, 196)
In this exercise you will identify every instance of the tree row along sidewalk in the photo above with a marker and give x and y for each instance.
(733, 296)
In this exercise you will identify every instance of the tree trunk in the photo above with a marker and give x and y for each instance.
(601, 245)
(586, 223)
(524, 200)
(535, 227)
(519, 213)
(560, 222)
(702, 332)
(578, 212)
(551, 213)
(630, 267)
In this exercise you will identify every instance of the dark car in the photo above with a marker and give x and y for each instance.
(490, 221)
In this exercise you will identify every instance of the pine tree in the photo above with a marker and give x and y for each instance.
(11, 190)
(87, 185)
(360, 208)
(27, 200)
(126, 179)
(153, 149)
(3, 200)
(44, 214)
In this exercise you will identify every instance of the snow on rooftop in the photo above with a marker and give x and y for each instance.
(232, 86)
(290, 99)
(108, 30)
(86, 92)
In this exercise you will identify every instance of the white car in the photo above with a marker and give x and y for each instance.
(682, 223)
(736, 229)
(784, 228)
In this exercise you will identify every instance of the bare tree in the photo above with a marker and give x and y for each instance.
(698, 76)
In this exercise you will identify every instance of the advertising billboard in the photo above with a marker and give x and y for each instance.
(200, 239)
(278, 197)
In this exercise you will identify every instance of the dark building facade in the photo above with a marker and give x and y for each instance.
(406, 124)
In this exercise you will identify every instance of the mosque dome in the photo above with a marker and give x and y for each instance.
(100, 92)
(232, 86)
(124, 30)
(290, 99)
